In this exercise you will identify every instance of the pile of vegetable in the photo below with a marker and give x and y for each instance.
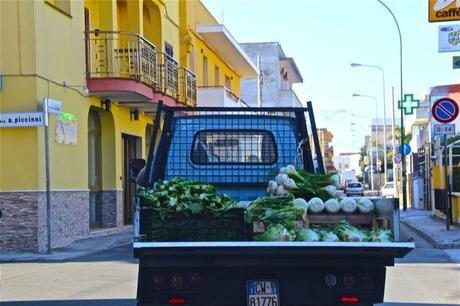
(179, 195)
(303, 184)
(280, 214)
(320, 190)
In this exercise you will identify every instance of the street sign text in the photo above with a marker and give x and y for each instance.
(12, 120)
(444, 129)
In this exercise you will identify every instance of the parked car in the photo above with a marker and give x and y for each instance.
(387, 190)
(354, 189)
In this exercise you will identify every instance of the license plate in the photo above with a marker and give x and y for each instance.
(263, 293)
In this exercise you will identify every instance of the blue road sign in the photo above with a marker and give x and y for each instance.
(406, 151)
(397, 158)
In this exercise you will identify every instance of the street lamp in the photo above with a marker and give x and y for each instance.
(401, 97)
(376, 137)
(384, 117)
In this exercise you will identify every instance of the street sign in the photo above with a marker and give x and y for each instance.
(408, 104)
(397, 158)
(444, 129)
(444, 110)
(443, 10)
(407, 149)
(54, 106)
(18, 120)
(456, 62)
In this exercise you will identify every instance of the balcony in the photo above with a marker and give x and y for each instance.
(128, 69)
(218, 96)
(288, 98)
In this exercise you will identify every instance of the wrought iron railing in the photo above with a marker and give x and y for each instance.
(188, 87)
(121, 55)
(131, 56)
(168, 71)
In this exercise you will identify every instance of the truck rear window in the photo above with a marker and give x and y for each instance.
(234, 147)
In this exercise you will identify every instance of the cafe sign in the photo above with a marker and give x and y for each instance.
(443, 10)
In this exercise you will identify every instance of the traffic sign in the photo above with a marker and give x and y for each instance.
(445, 110)
(397, 158)
(444, 129)
(408, 104)
(456, 62)
(406, 151)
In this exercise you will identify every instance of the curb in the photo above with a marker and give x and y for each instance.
(56, 257)
(435, 243)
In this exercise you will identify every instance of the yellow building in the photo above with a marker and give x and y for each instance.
(108, 63)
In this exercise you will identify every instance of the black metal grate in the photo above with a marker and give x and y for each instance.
(229, 226)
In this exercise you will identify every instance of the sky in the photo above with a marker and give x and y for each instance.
(325, 36)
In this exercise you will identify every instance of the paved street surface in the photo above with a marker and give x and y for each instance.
(427, 276)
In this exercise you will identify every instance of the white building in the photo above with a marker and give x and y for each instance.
(278, 73)
(348, 161)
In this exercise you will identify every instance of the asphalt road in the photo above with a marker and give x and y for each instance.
(425, 277)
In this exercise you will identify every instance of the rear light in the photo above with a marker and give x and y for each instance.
(349, 280)
(330, 280)
(158, 282)
(196, 281)
(349, 299)
(177, 301)
(177, 281)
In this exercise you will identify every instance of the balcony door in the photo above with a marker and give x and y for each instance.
(131, 150)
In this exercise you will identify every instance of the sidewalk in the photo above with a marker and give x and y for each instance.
(77, 249)
(431, 228)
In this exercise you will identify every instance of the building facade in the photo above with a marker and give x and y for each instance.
(278, 73)
(109, 63)
(348, 161)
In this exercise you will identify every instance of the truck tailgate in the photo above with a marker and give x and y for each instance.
(239, 253)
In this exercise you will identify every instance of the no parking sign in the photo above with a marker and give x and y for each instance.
(445, 110)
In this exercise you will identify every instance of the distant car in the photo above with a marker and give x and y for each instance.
(354, 189)
(387, 190)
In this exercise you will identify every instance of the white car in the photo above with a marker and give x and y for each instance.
(387, 190)
(354, 189)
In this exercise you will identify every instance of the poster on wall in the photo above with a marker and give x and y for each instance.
(66, 128)
(449, 38)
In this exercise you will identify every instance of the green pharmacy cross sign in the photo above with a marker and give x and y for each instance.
(408, 104)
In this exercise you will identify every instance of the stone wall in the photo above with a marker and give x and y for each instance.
(18, 225)
(112, 208)
(23, 227)
(69, 218)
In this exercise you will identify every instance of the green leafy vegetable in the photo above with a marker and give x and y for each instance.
(179, 195)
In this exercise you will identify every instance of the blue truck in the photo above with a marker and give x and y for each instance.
(237, 150)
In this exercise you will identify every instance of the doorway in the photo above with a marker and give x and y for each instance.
(95, 169)
(131, 150)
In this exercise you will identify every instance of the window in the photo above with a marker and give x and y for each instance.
(205, 71)
(216, 76)
(61, 5)
(234, 147)
(169, 49)
(228, 83)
